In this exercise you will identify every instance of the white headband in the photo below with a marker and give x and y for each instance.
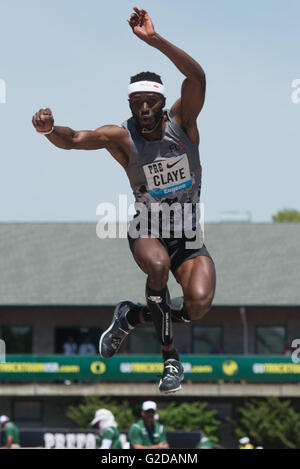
(146, 86)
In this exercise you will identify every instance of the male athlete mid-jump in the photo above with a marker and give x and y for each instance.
(159, 151)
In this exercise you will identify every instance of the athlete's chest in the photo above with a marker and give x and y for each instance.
(150, 152)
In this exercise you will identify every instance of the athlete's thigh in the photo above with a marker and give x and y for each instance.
(197, 276)
(149, 251)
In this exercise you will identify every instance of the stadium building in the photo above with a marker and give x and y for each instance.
(59, 280)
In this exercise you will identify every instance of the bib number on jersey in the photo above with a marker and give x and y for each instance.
(168, 176)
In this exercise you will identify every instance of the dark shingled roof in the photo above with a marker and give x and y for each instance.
(66, 263)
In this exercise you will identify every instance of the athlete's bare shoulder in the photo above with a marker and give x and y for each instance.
(113, 133)
(116, 140)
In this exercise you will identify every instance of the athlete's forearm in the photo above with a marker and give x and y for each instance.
(62, 137)
(185, 63)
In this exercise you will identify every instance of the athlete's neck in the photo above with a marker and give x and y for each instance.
(158, 131)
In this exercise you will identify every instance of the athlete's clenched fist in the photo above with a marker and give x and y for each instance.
(43, 120)
(142, 25)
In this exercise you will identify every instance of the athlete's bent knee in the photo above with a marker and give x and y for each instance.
(158, 271)
(198, 306)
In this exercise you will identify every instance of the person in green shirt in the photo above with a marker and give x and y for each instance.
(108, 431)
(205, 443)
(146, 432)
(11, 433)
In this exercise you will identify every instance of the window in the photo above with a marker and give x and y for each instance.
(79, 334)
(144, 341)
(18, 339)
(27, 410)
(270, 339)
(207, 339)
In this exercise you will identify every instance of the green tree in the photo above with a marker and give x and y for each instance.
(286, 215)
(190, 416)
(270, 423)
(83, 413)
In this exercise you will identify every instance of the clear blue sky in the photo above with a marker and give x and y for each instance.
(76, 58)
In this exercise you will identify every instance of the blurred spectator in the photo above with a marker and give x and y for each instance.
(87, 348)
(147, 432)
(217, 350)
(287, 350)
(206, 443)
(245, 443)
(108, 431)
(70, 347)
(11, 433)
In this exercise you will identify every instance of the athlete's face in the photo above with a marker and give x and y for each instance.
(147, 108)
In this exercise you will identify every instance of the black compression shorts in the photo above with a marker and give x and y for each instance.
(176, 248)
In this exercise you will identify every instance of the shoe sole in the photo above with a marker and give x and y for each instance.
(106, 331)
(170, 391)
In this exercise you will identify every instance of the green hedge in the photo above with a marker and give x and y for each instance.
(174, 416)
(270, 423)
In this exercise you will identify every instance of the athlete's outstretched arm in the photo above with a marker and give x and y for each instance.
(110, 137)
(193, 88)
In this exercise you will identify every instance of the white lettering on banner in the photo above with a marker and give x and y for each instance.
(168, 176)
(90, 441)
(125, 368)
(80, 440)
(258, 368)
(49, 440)
(51, 367)
(59, 440)
(187, 367)
(70, 440)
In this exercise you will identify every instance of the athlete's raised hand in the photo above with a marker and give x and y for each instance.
(142, 25)
(43, 120)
